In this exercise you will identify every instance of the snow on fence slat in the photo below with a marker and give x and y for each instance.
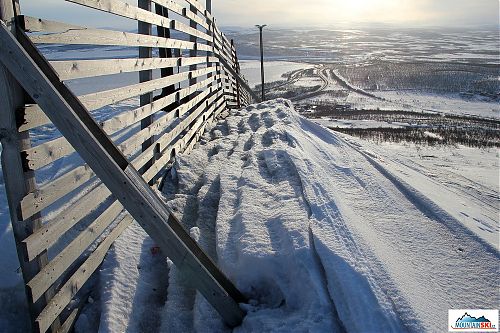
(80, 227)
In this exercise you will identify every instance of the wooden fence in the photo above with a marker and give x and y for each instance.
(188, 74)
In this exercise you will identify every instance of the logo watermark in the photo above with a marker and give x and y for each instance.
(473, 320)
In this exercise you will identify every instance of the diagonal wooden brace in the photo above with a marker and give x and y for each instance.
(62, 107)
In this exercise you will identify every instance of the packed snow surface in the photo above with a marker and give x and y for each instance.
(320, 232)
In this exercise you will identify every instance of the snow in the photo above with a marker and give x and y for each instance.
(323, 232)
(442, 103)
(273, 70)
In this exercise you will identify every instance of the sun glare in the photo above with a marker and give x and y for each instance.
(358, 5)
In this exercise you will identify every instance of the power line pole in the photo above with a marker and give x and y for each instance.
(262, 59)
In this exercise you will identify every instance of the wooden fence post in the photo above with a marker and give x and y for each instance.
(165, 53)
(193, 53)
(235, 60)
(144, 76)
(18, 183)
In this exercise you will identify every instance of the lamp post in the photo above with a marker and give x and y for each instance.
(262, 58)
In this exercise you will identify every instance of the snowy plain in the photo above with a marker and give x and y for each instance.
(273, 70)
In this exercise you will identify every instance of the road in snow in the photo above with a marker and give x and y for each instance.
(322, 233)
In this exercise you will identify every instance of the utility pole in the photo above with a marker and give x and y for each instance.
(262, 59)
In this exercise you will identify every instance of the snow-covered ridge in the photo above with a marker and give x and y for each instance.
(312, 228)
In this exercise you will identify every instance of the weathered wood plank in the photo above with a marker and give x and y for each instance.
(202, 21)
(170, 5)
(50, 232)
(124, 9)
(97, 100)
(75, 283)
(46, 153)
(46, 195)
(58, 265)
(33, 24)
(68, 324)
(101, 37)
(32, 116)
(196, 4)
(76, 69)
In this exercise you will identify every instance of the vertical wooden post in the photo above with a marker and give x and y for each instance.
(165, 53)
(145, 99)
(235, 60)
(18, 183)
(193, 53)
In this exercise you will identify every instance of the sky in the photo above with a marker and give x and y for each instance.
(304, 13)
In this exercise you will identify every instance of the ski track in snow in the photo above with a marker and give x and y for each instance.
(321, 234)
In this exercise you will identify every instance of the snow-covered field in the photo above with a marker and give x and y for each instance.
(273, 70)
(323, 232)
(442, 103)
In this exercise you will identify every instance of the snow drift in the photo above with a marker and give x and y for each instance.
(318, 236)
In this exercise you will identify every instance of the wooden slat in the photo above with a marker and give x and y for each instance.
(75, 283)
(195, 17)
(46, 195)
(97, 100)
(123, 9)
(33, 24)
(46, 153)
(32, 117)
(170, 5)
(50, 232)
(58, 265)
(196, 4)
(68, 324)
(101, 37)
(76, 69)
